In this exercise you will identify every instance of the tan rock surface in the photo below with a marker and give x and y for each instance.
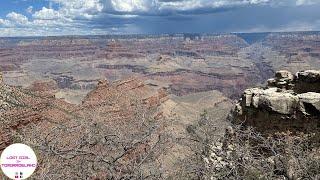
(281, 109)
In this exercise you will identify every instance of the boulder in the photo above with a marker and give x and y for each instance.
(283, 79)
(103, 82)
(310, 103)
(279, 102)
(307, 81)
(238, 110)
(250, 96)
(271, 99)
(272, 82)
(284, 74)
(309, 76)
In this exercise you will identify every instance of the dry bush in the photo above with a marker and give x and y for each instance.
(244, 153)
(199, 136)
(93, 145)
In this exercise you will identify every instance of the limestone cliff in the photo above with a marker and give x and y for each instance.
(289, 102)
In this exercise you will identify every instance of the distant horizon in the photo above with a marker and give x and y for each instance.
(159, 34)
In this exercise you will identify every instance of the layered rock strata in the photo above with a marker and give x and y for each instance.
(289, 102)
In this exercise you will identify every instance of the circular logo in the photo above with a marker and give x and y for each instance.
(18, 161)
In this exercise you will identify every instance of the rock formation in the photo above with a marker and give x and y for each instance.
(275, 132)
(20, 108)
(289, 102)
(1, 80)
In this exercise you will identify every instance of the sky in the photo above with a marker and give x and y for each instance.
(96, 17)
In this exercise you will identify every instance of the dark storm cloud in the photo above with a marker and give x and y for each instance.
(246, 19)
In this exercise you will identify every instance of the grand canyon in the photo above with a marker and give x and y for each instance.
(164, 106)
(181, 63)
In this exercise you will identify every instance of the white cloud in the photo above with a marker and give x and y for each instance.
(46, 14)
(306, 2)
(89, 9)
(5, 23)
(133, 5)
(79, 8)
(29, 9)
(157, 6)
(17, 18)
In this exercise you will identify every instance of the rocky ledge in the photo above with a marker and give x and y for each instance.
(288, 103)
(1, 79)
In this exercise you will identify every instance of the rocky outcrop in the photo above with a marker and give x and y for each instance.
(1, 79)
(20, 108)
(310, 103)
(64, 81)
(289, 102)
(151, 96)
(44, 86)
(307, 81)
(283, 79)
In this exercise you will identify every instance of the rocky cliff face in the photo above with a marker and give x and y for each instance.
(21, 108)
(289, 102)
(1, 79)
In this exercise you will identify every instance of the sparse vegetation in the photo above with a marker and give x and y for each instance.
(244, 153)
